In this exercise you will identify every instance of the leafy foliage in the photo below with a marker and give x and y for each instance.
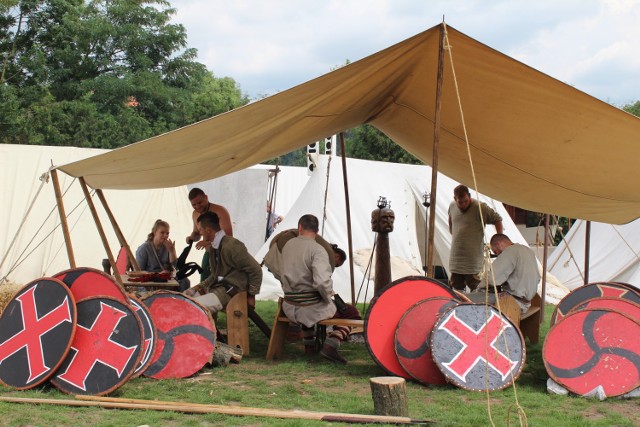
(101, 73)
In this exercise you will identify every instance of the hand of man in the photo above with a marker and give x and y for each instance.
(191, 292)
(203, 244)
(251, 301)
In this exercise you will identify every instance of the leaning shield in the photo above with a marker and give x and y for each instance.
(105, 350)
(412, 339)
(186, 335)
(385, 311)
(478, 349)
(149, 335)
(86, 282)
(36, 330)
(594, 349)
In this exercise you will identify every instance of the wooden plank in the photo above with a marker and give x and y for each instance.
(63, 218)
(116, 228)
(105, 402)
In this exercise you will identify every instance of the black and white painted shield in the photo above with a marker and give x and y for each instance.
(476, 348)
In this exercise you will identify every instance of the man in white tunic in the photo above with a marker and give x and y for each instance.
(308, 288)
(515, 268)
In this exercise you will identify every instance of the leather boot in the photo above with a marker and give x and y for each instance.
(331, 353)
(310, 350)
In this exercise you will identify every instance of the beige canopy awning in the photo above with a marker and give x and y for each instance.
(536, 142)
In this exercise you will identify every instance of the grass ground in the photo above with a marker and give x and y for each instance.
(299, 382)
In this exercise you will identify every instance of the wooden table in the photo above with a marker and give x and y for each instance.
(171, 284)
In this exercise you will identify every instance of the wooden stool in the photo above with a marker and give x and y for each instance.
(281, 324)
(238, 322)
(529, 322)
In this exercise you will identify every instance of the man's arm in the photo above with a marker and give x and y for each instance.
(499, 227)
(225, 218)
(195, 234)
(450, 225)
(321, 269)
(242, 260)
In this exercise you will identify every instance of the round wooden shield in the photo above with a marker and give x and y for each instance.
(105, 350)
(620, 305)
(476, 348)
(149, 335)
(594, 348)
(590, 291)
(385, 311)
(186, 335)
(86, 282)
(412, 339)
(36, 330)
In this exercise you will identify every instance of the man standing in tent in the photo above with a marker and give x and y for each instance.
(200, 203)
(516, 269)
(308, 288)
(465, 226)
(233, 269)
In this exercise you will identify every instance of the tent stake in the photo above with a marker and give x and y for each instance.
(545, 252)
(348, 208)
(103, 236)
(63, 218)
(587, 250)
(434, 162)
(116, 228)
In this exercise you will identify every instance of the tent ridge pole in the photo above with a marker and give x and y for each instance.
(103, 236)
(348, 209)
(116, 228)
(587, 250)
(545, 257)
(434, 162)
(63, 218)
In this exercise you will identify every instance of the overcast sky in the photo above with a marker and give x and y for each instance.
(268, 46)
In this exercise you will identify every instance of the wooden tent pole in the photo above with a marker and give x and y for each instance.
(434, 162)
(103, 236)
(545, 253)
(348, 208)
(587, 250)
(116, 228)
(63, 218)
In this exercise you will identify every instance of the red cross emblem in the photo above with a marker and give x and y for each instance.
(34, 327)
(88, 352)
(474, 346)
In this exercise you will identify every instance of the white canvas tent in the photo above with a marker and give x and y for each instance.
(403, 185)
(614, 254)
(39, 249)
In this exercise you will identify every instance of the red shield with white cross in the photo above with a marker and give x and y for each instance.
(584, 293)
(36, 329)
(105, 350)
(476, 348)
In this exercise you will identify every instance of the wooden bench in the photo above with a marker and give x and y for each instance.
(529, 322)
(237, 314)
(281, 325)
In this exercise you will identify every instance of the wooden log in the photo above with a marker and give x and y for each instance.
(389, 396)
(224, 354)
(116, 403)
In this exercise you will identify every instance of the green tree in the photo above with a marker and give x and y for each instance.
(101, 73)
(367, 142)
(633, 108)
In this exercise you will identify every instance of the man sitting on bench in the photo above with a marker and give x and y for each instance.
(516, 268)
(308, 288)
(233, 269)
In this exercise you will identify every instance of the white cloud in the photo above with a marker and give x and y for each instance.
(272, 45)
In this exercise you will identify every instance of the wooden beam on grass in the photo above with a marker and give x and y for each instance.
(194, 408)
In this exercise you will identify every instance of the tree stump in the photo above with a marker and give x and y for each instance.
(389, 396)
(224, 354)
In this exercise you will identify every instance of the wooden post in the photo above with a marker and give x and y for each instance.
(389, 396)
(116, 228)
(587, 250)
(434, 162)
(348, 209)
(63, 218)
(545, 257)
(103, 236)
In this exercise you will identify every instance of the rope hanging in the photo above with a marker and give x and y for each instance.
(520, 411)
(326, 193)
(272, 191)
